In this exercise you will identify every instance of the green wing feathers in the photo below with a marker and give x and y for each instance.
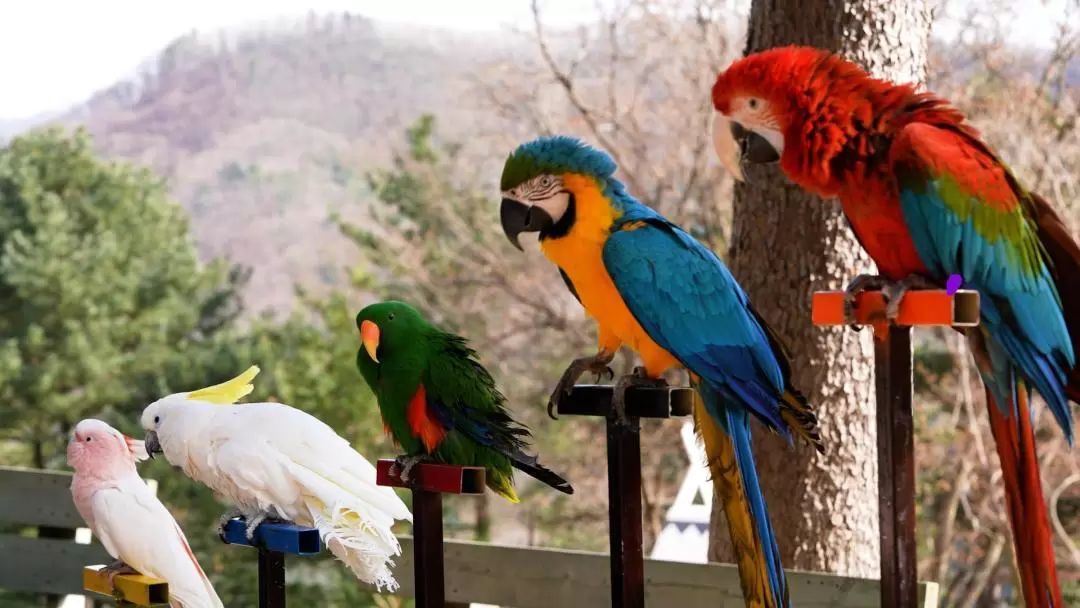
(464, 398)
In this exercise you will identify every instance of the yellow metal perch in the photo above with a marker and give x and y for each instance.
(129, 589)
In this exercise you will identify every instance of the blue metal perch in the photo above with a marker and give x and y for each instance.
(273, 540)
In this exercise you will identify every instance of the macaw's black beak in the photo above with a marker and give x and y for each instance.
(151, 443)
(517, 217)
(753, 147)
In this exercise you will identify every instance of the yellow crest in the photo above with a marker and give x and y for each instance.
(228, 392)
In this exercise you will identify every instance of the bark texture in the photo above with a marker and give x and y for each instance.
(786, 244)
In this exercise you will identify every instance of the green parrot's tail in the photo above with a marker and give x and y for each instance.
(502, 484)
(530, 466)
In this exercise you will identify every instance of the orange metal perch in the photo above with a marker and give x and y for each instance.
(917, 309)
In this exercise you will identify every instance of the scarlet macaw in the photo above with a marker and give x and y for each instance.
(653, 287)
(927, 198)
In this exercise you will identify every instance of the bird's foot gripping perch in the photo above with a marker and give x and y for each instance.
(117, 568)
(892, 291)
(251, 521)
(403, 465)
(223, 521)
(597, 364)
(637, 377)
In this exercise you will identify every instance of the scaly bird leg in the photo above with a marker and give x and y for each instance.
(405, 464)
(894, 293)
(597, 364)
(638, 377)
(861, 283)
(223, 521)
(256, 519)
(116, 568)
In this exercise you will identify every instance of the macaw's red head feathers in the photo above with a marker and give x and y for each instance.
(801, 107)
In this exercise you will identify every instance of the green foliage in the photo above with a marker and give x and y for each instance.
(104, 308)
(100, 288)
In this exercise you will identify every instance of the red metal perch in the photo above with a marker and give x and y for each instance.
(895, 427)
(624, 474)
(428, 483)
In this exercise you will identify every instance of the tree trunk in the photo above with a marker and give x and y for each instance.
(787, 244)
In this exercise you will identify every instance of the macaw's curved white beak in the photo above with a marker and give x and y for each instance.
(369, 335)
(727, 149)
(736, 143)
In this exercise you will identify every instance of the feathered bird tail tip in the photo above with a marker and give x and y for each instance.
(364, 544)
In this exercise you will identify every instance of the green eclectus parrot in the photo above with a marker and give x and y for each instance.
(653, 287)
(928, 199)
(438, 403)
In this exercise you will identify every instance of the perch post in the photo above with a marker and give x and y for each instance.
(273, 540)
(895, 427)
(624, 474)
(428, 483)
(130, 589)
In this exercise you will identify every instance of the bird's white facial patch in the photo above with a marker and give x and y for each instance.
(728, 149)
(555, 205)
(544, 191)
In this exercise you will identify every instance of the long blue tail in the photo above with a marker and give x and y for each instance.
(725, 431)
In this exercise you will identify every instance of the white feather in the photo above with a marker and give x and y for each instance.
(274, 458)
(135, 527)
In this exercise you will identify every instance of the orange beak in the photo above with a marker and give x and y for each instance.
(369, 335)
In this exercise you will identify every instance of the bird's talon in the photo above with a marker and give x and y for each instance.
(597, 364)
(115, 569)
(551, 411)
(223, 521)
(405, 465)
(254, 522)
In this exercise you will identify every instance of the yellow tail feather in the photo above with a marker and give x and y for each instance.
(503, 485)
(228, 392)
(720, 451)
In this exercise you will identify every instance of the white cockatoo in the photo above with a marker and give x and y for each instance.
(273, 461)
(131, 522)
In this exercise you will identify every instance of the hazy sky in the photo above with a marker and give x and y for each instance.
(54, 53)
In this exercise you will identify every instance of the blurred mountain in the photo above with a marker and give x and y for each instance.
(262, 132)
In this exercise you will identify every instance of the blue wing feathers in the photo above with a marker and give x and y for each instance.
(691, 306)
(1020, 310)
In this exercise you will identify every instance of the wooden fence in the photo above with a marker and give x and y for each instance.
(522, 577)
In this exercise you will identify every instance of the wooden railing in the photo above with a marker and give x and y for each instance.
(522, 577)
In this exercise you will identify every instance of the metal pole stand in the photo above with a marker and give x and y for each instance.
(895, 428)
(624, 474)
(428, 482)
(273, 540)
(127, 589)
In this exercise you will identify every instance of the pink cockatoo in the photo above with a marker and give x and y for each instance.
(131, 522)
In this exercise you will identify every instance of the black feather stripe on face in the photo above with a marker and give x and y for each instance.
(562, 227)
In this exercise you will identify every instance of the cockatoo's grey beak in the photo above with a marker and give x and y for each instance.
(735, 143)
(150, 442)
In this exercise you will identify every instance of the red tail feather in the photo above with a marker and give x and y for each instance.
(1032, 539)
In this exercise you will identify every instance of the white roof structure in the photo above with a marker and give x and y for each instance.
(685, 536)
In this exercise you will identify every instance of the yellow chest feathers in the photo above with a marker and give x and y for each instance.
(580, 255)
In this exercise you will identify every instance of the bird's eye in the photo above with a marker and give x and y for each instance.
(157, 419)
(390, 317)
(753, 103)
(547, 180)
(89, 438)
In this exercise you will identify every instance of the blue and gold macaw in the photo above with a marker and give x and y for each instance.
(654, 288)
